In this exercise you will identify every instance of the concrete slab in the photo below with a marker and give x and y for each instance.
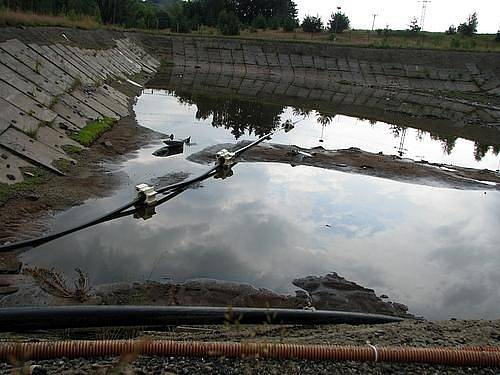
(82, 109)
(19, 143)
(108, 90)
(124, 48)
(82, 65)
(36, 61)
(29, 74)
(10, 167)
(63, 62)
(54, 139)
(71, 115)
(62, 126)
(94, 104)
(22, 84)
(13, 116)
(25, 103)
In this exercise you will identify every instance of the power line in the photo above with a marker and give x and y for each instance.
(424, 11)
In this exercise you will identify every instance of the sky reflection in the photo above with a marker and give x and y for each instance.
(433, 249)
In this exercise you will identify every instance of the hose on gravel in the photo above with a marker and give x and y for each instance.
(482, 357)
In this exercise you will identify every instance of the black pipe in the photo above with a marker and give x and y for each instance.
(36, 318)
(50, 237)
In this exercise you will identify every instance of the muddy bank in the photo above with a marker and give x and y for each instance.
(354, 160)
(329, 292)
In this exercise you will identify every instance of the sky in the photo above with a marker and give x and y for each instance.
(398, 13)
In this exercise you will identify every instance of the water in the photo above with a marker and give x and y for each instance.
(434, 249)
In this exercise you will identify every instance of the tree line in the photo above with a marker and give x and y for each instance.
(178, 15)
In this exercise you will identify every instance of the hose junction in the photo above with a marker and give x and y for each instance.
(143, 206)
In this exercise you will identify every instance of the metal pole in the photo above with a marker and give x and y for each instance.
(336, 23)
(373, 26)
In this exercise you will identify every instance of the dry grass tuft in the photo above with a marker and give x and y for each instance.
(55, 283)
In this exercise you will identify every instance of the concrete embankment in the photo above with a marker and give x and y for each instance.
(454, 92)
(50, 91)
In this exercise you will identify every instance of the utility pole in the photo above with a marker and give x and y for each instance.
(423, 13)
(373, 25)
(336, 23)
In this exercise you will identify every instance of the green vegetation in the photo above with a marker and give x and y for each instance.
(339, 23)
(72, 150)
(469, 27)
(273, 19)
(229, 23)
(93, 130)
(64, 165)
(36, 176)
(312, 24)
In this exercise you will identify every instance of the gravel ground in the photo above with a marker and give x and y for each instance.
(410, 333)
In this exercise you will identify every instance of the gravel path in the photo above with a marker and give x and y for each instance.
(410, 333)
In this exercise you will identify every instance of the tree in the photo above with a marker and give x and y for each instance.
(339, 22)
(290, 24)
(497, 38)
(451, 30)
(228, 23)
(259, 22)
(312, 24)
(469, 27)
(414, 27)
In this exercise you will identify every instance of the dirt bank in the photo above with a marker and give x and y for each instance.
(357, 161)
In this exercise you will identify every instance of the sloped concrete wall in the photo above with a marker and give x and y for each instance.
(50, 90)
(405, 69)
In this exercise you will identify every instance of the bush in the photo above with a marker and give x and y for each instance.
(312, 24)
(274, 23)
(414, 27)
(451, 30)
(228, 23)
(469, 27)
(259, 22)
(289, 24)
(497, 38)
(339, 22)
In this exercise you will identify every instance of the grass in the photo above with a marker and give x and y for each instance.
(39, 176)
(14, 18)
(93, 130)
(358, 38)
(72, 150)
(64, 165)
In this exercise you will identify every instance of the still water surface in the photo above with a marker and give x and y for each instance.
(434, 249)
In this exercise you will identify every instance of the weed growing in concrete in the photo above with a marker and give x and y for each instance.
(72, 150)
(93, 130)
(64, 165)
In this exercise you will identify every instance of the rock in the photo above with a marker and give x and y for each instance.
(333, 292)
(31, 197)
(37, 370)
(107, 144)
(3, 156)
(384, 296)
(11, 177)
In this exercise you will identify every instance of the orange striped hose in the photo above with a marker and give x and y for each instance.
(462, 356)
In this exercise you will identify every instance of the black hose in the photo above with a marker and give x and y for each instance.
(50, 237)
(179, 187)
(186, 183)
(253, 144)
(35, 318)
